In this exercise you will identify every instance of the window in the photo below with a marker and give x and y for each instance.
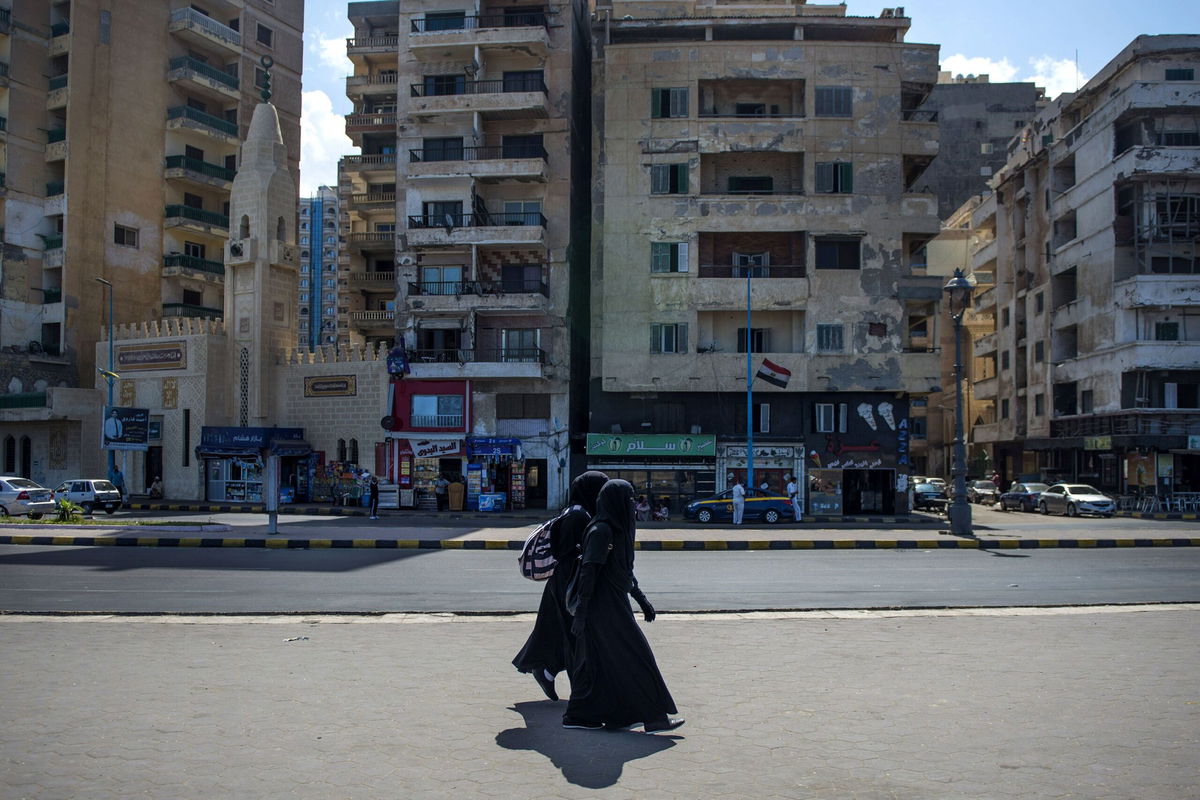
(442, 212)
(523, 212)
(265, 35)
(754, 263)
(838, 252)
(668, 337)
(445, 21)
(444, 148)
(192, 297)
(1179, 139)
(835, 177)
(762, 417)
(830, 419)
(125, 236)
(1039, 352)
(303, 240)
(751, 184)
(1039, 405)
(1003, 409)
(1039, 303)
(522, 406)
(1004, 318)
(515, 278)
(668, 257)
(193, 200)
(1086, 401)
(668, 103)
(1166, 331)
(1004, 360)
(524, 80)
(986, 148)
(1180, 74)
(437, 411)
(829, 337)
(444, 84)
(520, 345)
(523, 146)
(194, 250)
(835, 101)
(750, 109)
(668, 178)
(760, 340)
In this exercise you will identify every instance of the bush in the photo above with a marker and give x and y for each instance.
(68, 511)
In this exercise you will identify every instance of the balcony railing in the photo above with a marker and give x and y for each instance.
(191, 262)
(482, 288)
(191, 17)
(520, 355)
(476, 220)
(57, 82)
(370, 160)
(368, 198)
(199, 67)
(198, 215)
(437, 420)
(500, 86)
(477, 153)
(385, 40)
(371, 120)
(918, 115)
(769, 271)
(190, 310)
(201, 167)
(379, 277)
(733, 114)
(373, 238)
(1130, 422)
(52, 242)
(520, 19)
(208, 120)
(796, 189)
(24, 400)
(51, 296)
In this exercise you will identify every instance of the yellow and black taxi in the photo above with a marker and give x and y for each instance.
(762, 506)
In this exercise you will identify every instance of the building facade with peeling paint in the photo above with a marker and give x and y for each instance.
(764, 159)
(1092, 371)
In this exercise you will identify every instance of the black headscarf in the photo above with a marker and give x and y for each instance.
(614, 508)
(585, 489)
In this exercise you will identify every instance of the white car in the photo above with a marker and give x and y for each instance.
(20, 496)
(90, 494)
(1074, 499)
(938, 482)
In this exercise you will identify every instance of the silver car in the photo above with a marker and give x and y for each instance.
(21, 496)
(1074, 499)
(90, 494)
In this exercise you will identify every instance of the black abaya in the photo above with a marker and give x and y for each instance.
(614, 677)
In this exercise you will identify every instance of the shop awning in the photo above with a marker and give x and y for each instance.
(290, 447)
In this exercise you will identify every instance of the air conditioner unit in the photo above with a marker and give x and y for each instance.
(407, 261)
(695, 429)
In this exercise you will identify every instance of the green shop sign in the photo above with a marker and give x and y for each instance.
(651, 444)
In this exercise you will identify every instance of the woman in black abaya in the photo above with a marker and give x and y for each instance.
(549, 647)
(615, 682)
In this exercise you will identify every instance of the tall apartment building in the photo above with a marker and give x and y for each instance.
(319, 235)
(466, 233)
(1092, 372)
(123, 123)
(756, 187)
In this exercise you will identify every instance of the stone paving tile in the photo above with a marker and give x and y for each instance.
(920, 707)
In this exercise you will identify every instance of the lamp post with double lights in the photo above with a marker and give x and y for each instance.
(958, 294)
(109, 375)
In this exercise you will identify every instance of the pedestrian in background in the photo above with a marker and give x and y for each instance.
(373, 494)
(793, 493)
(118, 480)
(615, 682)
(550, 645)
(739, 500)
(441, 489)
(642, 509)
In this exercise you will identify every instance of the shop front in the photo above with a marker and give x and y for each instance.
(500, 478)
(861, 469)
(670, 469)
(235, 461)
(418, 462)
(772, 464)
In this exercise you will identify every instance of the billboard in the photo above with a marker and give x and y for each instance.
(125, 428)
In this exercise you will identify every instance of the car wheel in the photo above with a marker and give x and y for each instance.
(1071, 510)
(35, 516)
(1042, 508)
(87, 507)
(1003, 507)
(771, 517)
(110, 509)
(704, 515)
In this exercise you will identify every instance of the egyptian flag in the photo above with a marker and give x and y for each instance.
(773, 373)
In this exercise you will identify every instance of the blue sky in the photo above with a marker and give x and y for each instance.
(1011, 40)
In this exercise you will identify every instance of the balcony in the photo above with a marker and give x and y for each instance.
(491, 99)
(985, 344)
(493, 296)
(1164, 291)
(196, 220)
(484, 164)
(525, 228)
(198, 77)
(358, 124)
(373, 321)
(193, 170)
(189, 310)
(527, 30)
(984, 254)
(56, 145)
(192, 267)
(58, 94)
(377, 163)
(385, 44)
(373, 281)
(368, 199)
(478, 363)
(986, 388)
(376, 84)
(188, 118)
(981, 434)
(748, 99)
(60, 39)
(436, 421)
(198, 29)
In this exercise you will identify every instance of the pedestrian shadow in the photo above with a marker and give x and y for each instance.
(591, 759)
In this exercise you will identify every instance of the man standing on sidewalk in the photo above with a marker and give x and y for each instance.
(793, 493)
(739, 500)
(441, 490)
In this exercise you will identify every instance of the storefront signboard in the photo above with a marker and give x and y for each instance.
(247, 438)
(739, 451)
(435, 448)
(1097, 443)
(331, 386)
(651, 444)
(492, 446)
(160, 355)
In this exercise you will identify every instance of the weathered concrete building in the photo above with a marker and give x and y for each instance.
(121, 128)
(1092, 372)
(319, 240)
(466, 233)
(755, 194)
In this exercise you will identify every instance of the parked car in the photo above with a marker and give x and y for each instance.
(1023, 496)
(919, 479)
(763, 506)
(929, 497)
(90, 494)
(21, 496)
(938, 482)
(982, 492)
(1074, 499)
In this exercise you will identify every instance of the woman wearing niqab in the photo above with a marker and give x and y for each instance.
(550, 645)
(615, 682)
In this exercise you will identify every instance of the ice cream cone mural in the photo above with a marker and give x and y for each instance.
(868, 414)
(815, 456)
(886, 411)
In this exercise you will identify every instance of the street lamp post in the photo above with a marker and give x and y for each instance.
(958, 292)
(112, 456)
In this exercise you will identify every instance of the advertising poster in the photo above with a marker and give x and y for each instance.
(125, 428)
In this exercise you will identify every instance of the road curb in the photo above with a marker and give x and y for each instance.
(649, 545)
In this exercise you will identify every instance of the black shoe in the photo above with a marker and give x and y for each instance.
(664, 724)
(547, 684)
(582, 725)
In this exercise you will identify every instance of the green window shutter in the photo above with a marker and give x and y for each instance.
(679, 179)
(846, 177)
(660, 175)
(679, 102)
(655, 338)
(660, 257)
(825, 177)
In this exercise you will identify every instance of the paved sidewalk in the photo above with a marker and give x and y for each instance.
(1036, 703)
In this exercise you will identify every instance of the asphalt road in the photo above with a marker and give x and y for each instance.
(192, 580)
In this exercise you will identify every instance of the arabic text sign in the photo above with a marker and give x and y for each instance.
(125, 428)
(161, 355)
(651, 444)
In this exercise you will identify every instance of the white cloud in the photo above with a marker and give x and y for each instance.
(323, 141)
(1055, 75)
(331, 52)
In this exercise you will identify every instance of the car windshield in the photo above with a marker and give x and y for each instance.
(1081, 488)
(930, 488)
(104, 486)
(22, 483)
(984, 485)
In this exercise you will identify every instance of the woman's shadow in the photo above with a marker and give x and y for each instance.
(592, 759)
